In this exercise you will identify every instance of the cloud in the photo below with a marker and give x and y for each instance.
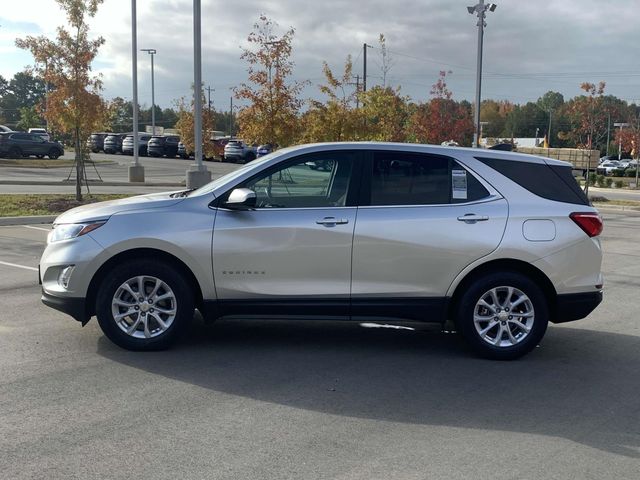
(530, 47)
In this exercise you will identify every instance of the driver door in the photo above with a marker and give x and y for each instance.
(291, 255)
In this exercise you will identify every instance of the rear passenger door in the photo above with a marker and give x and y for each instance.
(422, 219)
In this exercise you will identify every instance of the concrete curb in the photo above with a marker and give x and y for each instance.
(95, 184)
(27, 220)
(618, 208)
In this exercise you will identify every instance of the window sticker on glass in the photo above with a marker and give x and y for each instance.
(459, 184)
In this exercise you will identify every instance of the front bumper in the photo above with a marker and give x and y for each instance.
(574, 306)
(74, 306)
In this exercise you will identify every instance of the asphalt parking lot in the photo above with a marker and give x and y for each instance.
(313, 400)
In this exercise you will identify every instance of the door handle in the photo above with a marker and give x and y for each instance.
(473, 218)
(332, 221)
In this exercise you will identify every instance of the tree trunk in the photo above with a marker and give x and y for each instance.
(79, 166)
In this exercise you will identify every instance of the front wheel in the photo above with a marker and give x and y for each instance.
(54, 153)
(503, 315)
(144, 305)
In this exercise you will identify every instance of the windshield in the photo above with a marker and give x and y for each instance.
(256, 164)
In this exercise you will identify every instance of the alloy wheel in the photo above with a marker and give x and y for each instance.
(503, 316)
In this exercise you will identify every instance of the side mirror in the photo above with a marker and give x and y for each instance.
(241, 198)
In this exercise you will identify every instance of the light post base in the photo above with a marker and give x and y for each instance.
(198, 176)
(136, 173)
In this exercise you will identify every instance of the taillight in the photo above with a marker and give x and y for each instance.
(589, 222)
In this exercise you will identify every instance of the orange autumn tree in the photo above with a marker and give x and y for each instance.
(273, 98)
(185, 127)
(74, 104)
(442, 118)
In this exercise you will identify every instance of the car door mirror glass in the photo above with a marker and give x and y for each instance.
(241, 198)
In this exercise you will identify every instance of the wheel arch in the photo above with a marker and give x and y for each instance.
(136, 254)
(508, 265)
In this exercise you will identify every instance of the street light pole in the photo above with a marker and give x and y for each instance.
(152, 52)
(198, 175)
(480, 9)
(621, 125)
(136, 171)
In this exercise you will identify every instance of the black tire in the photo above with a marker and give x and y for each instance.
(54, 153)
(39, 156)
(184, 304)
(15, 152)
(466, 309)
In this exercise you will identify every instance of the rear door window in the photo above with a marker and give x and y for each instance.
(406, 178)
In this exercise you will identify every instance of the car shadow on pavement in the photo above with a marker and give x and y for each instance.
(579, 384)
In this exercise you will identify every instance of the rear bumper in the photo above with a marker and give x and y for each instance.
(74, 306)
(574, 306)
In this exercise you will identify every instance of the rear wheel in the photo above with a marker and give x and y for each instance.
(503, 315)
(144, 305)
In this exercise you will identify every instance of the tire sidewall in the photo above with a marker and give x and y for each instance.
(465, 312)
(165, 272)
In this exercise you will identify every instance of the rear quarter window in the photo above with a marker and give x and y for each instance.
(553, 182)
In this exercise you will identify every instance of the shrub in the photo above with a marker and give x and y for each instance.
(600, 180)
(618, 172)
(608, 182)
(619, 183)
(630, 173)
(592, 178)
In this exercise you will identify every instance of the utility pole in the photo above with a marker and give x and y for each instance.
(364, 65)
(152, 52)
(208, 89)
(549, 130)
(231, 116)
(480, 9)
(621, 125)
(608, 130)
(197, 175)
(136, 171)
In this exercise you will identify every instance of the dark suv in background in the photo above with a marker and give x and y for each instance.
(160, 146)
(20, 144)
(96, 142)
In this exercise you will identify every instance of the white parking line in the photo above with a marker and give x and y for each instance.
(36, 228)
(18, 266)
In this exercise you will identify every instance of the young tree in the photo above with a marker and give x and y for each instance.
(587, 116)
(185, 127)
(274, 103)
(337, 119)
(386, 61)
(385, 114)
(74, 102)
(442, 118)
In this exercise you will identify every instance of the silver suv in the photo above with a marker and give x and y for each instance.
(500, 243)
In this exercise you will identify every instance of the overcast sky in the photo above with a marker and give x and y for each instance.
(530, 47)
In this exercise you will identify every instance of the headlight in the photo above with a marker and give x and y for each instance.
(65, 231)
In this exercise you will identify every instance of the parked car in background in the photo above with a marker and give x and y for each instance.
(607, 167)
(21, 144)
(4, 129)
(238, 151)
(264, 150)
(163, 146)
(113, 143)
(182, 151)
(500, 243)
(42, 132)
(96, 141)
(127, 144)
